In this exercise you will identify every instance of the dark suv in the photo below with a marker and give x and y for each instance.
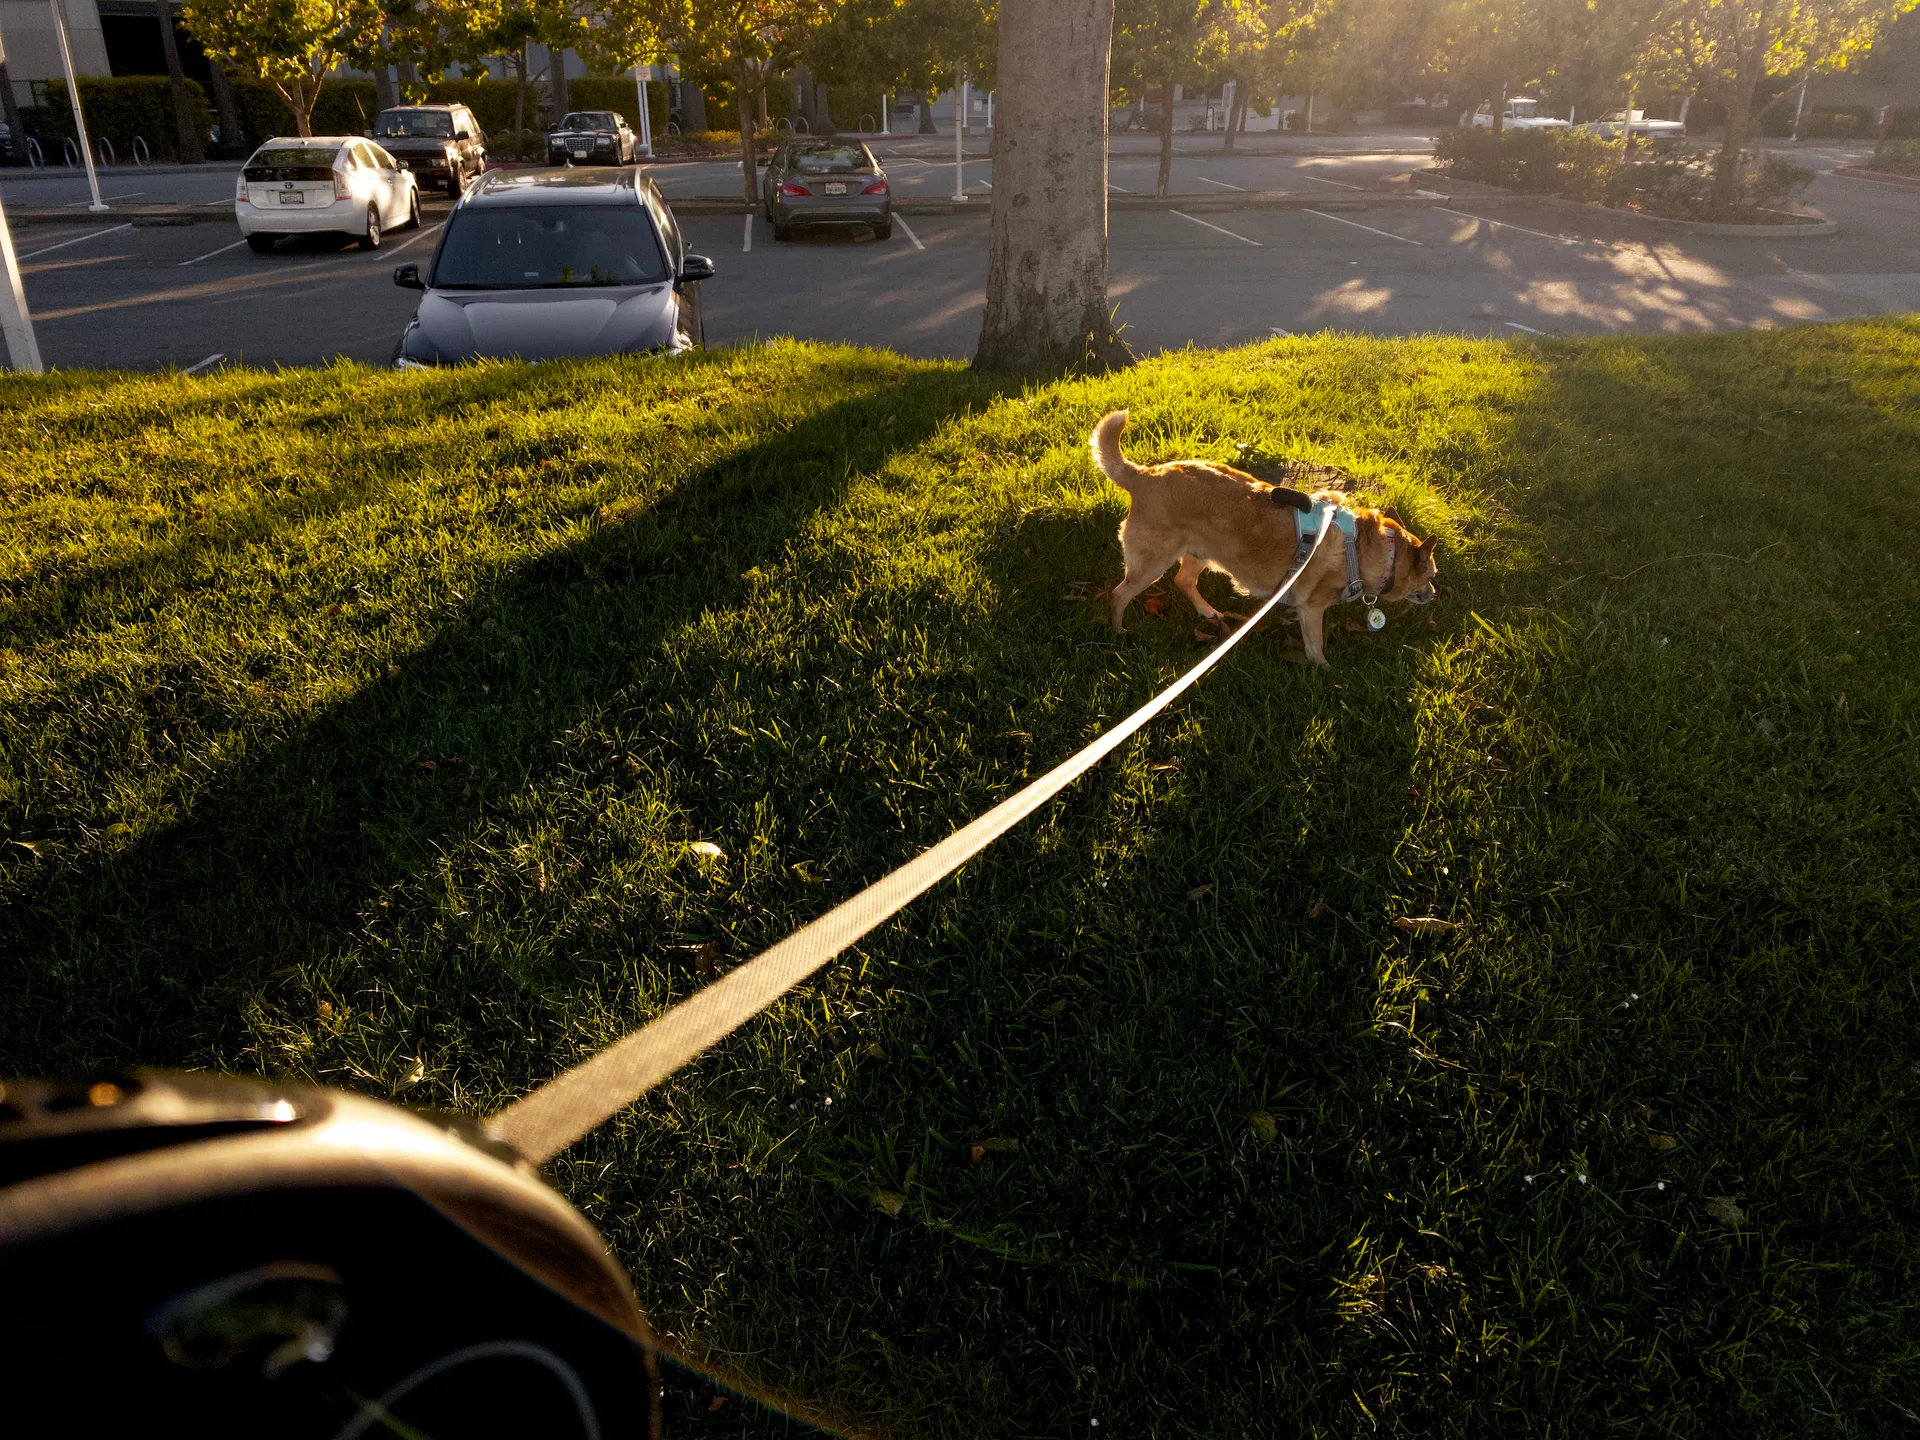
(539, 264)
(440, 144)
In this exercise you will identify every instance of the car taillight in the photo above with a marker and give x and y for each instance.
(878, 187)
(793, 187)
(342, 188)
(240, 187)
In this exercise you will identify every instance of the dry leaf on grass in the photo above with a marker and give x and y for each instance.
(716, 1403)
(1053, 1011)
(1154, 604)
(1316, 907)
(707, 850)
(1424, 925)
(1200, 891)
(1661, 1142)
(416, 1074)
(1001, 1146)
(888, 1202)
(1726, 1209)
(1263, 1126)
(707, 959)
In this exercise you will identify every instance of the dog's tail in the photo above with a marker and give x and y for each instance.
(1106, 451)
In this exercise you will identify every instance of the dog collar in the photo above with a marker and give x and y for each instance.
(1342, 519)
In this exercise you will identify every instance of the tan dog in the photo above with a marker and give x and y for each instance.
(1210, 516)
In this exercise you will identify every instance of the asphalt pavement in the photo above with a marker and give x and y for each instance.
(123, 294)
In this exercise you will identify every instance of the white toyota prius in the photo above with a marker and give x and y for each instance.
(331, 184)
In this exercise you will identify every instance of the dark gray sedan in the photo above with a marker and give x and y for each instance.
(539, 264)
(827, 182)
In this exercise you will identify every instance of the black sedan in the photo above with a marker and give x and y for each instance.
(593, 137)
(827, 182)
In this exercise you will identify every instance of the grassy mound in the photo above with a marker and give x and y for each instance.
(359, 727)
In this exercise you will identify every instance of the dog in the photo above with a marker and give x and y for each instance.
(1214, 517)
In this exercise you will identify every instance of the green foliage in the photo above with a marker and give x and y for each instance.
(355, 727)
(345, 107)
(1898, 157)
(291, 44)
(119, 109)
(491, 101)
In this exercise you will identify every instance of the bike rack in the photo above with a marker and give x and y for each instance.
(673, 127)
(800, 126)
(69, 152)
(36, 157)
(141, 154)
(106, 145)
(868, 125)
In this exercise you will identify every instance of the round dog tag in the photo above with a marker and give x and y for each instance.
(1376, 619)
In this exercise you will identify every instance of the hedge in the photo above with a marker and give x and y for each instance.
(118, 110)
(345, 107)
(602, 92)
(1835, 122)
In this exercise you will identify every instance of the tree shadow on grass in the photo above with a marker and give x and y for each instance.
(150, 956)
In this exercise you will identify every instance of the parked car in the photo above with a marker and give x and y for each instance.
(441, 144)
(1521, 113)
(538, 264)
(827, 182)
(593, 137)
(337, 184)
(1616, 123)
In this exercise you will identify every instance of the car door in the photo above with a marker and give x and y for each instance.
(380, 175)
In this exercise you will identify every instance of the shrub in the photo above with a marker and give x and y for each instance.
(1897, 157)
(118, 111)
(345, 107)
(616, 93)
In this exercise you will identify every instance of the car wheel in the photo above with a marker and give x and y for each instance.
(261, 244)
(884, 230)
(456, 182)
(413, 209)
(370, 240)
(782, 230)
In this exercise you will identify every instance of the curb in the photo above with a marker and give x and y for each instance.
(1811, 229)
(1191, 204)
(1885, 177)
(141, 215)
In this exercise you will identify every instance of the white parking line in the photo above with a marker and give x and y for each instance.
(211, 253)
(416, 239)
(1208, 179)
(48, 250)
(210, 360)
(746, 241)
(1503, 225)
(909, 229)
(1281, 334)
(1516, 325)
(1358, 226)
(1324, 181)
(128, 196)
(1121, 188)
(1211, 226)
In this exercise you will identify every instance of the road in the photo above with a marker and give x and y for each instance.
(176, 297)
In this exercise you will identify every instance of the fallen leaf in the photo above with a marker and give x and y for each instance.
(1053, 1011)
(324, 1009)
(119, 827)
(1001, 1146)
(415, 1075)
(32, 847)
(707, 960)
(1200, 891)
(707, 850)
(428, 766)
(1316, 907)
(1661, 1142)
(716, 1403)
(888, 1202)
(976, 1153)
(1263, 1126)
(1424, 925)
(1154, 604)
(876, 1051)
(1726, 1209)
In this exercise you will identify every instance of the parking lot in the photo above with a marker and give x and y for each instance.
(143, 296)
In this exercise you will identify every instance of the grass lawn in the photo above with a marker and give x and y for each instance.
(357, 727)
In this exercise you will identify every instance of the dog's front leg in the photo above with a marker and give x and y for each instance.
(1313, 632)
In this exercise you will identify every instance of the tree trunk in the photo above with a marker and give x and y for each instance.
(233, 140)
(926, 126)
(520, 101)
(302, 106)
(386, 94)
(187, 134)
(1165, 178)
(1236, 114)
(10, 112)
(557, 81)
(1739, 103)
(1047, 255)
(820, 121)
(743, 94)
(693, 105)
(1500, 110)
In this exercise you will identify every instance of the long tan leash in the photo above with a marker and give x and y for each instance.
(540, 1125)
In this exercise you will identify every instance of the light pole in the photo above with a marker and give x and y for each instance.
(959, 143)
(642, 74)
(23, 352)
(73, 95)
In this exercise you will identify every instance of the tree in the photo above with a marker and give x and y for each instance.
(894, 47)
(291, 44)
(186, 133)
(1047, 255)
(1727, 47)
(514, 24)
(1171, 43)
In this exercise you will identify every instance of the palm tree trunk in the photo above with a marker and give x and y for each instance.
(745, 97)
(1236, 115)
(520, 100)
(1165, 177)
(1047, 255)
(187, 134)
(233, 140)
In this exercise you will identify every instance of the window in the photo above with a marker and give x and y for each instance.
(420, 124)
(286, 162)
(538, 247)
(831, 159)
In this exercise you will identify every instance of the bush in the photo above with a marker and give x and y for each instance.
(118, 111)
(616, 93)
(491, 102)
(345, 107)
(1577, 166)
(1897, 157)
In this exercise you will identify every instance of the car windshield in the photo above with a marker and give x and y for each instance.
(398, 124)
(1520, 107)
(540, 247)
(589, 120)
(831, 159)
(287, 162)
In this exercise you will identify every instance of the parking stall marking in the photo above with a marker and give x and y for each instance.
(1370, 229)
(1208, 179)
(1221, 228)
(213, 359)
(1516, 325)
(909, 229)
(49, 249)
(415, 239)
(211, 253)
(1503, 225)
(1309, 175)
(746, 241)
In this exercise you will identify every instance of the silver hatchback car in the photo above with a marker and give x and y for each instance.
(541, 264)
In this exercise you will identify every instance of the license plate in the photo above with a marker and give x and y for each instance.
(834, 187)
(581, 149)
(293, 197)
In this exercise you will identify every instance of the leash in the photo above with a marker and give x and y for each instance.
(540, 1125)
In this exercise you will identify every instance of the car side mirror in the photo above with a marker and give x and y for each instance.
(407, 276)
(696, 267)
